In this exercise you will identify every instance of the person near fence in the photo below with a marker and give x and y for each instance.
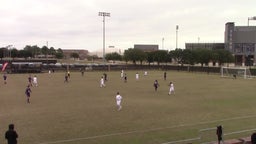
(11, 135)
(219, 133)
(253, 138)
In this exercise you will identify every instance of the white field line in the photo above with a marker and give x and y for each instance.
(147, 130)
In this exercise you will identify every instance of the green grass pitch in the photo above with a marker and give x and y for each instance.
(80, 112)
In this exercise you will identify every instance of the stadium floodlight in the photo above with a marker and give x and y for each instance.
(251, 18)
(177, 28)
(104, 14)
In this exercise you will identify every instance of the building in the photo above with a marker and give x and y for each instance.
(146, 48)
(241, 41)
(210, 46)
(82, 53)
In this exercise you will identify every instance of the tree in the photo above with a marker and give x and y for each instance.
(2, 52)
(59, 53)
(134, 55)
(150, 57)
(113, 56)
(189, 57)
(45, 50)
(161, 56)
(36, 50)
(74, 55)
(25, 54)
(224, 56)
(177, 55)
(52, 51)
(32, 49)
(14, 53)
(204, 56)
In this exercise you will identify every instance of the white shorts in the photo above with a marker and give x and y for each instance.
(118, 103)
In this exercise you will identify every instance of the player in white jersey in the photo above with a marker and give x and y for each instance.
(118, 101)
(102, 83)
(171, 90)
(35, 81)
(137, 76)
(122, 74)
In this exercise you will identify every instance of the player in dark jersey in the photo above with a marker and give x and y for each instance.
(66, 78)
(5, 79)
(125, 78)
(27, 92)
(30, 80)
(156, 85)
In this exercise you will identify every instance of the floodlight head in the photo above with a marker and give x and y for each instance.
(104, 14)
(252, 18)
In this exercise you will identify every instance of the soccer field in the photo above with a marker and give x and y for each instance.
(80, 112)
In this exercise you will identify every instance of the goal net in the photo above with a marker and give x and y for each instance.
(235, 72)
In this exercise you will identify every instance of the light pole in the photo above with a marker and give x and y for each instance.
(177, 28)
(104, 14)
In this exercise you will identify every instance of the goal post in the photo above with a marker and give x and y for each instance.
(235, 72)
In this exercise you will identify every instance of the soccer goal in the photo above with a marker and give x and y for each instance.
(235, 72)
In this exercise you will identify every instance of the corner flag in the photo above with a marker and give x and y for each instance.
(4, 66)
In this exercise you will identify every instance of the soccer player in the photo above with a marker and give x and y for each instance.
(164, 75)
(30, 80)
(171, 90)
(11, 135)
(27, 92)
(82, 71)
(137, 76)
(105, 76)
(5, 79)
(125, 78)
(102, 83)
(156, 85)
(35, 81)
(66, 78)
(122, 74)
(118, 101)
(145, 73)
(68, 74)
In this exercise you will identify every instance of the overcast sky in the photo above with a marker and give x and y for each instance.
(75, 24)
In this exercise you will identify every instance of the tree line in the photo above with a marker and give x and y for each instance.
(31, 51)
(181, 56)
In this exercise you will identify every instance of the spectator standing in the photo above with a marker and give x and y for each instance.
(253, 138)
(11, 135)
(219, 133)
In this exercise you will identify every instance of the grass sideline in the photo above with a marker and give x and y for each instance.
(81, 112)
